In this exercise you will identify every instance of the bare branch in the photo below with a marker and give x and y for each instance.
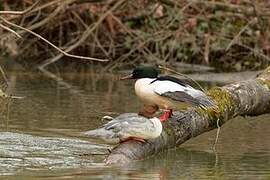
(4, 76)
(21, 12)
(85, 35)
(51, 44)
(240, 32)
(178, 73)
(244, 98)
(10, 30)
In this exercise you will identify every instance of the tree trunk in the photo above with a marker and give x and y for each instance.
(250, 97)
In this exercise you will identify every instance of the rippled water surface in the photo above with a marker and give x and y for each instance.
(40, 139)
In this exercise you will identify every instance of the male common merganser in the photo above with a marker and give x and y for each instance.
(165, 92)
(127, 126)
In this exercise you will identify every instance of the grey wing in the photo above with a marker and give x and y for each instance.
(201, 100)
(175, 91)
(125, 126)
(181, 97)
(138, 129)
(185, 94)
(120, 128)
(130, 126)
(123, 120)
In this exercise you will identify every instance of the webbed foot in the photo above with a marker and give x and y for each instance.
(167, 114)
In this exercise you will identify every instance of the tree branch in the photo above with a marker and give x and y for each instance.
(250, 97)
(51, 44)
(21, 12)
(85, 35)
(10, 30)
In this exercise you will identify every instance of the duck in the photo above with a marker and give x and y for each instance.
(165, 92)
(127, 126)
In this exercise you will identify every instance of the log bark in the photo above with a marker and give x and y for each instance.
(245, 98)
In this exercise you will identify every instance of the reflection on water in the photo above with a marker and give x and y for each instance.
(41, 138)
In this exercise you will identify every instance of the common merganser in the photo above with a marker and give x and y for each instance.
(165, 92)
(125, 127)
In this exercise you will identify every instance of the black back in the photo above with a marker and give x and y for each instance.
(170, 78)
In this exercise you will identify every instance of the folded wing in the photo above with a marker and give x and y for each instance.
(177, 90)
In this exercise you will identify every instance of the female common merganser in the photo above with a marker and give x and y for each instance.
(127, 126)
(165, 92)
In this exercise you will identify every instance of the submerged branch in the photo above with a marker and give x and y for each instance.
(250, 97)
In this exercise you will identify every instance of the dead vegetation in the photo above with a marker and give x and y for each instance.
(228, 34)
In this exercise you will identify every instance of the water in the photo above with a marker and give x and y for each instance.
(42, 138)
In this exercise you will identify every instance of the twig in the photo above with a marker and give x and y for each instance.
(206, 48)
(94, 36)
(85, 35)
(8, 111)
(43, 6)
(240, 32)
(60, 81)
(123, 57)
(42, 22)
(173, 71)
(255, 51)
(21, 12)
(51, 44)
(4, 95)
(50, 16)
(10, 30)
(4, 75)
(217, 135)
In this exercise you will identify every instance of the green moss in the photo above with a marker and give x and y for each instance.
(264, 77)
(169, 131)
(267, 70)
(224, 102)
(264, 82)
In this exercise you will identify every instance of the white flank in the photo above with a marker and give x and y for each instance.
(151, 93)
(144, 88)
(161, 87)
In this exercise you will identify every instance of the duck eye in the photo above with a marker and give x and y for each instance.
(134, 73)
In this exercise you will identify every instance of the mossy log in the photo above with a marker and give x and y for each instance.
(250, 97)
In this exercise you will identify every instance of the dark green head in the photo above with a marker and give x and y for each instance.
(143, 72)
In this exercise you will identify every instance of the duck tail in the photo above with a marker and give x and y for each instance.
(206, 102)
(102, 134)
(93, 133)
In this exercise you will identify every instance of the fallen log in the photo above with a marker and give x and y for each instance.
(247, 98)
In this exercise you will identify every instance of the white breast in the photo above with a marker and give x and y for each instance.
(145, 90)
(157, 126)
